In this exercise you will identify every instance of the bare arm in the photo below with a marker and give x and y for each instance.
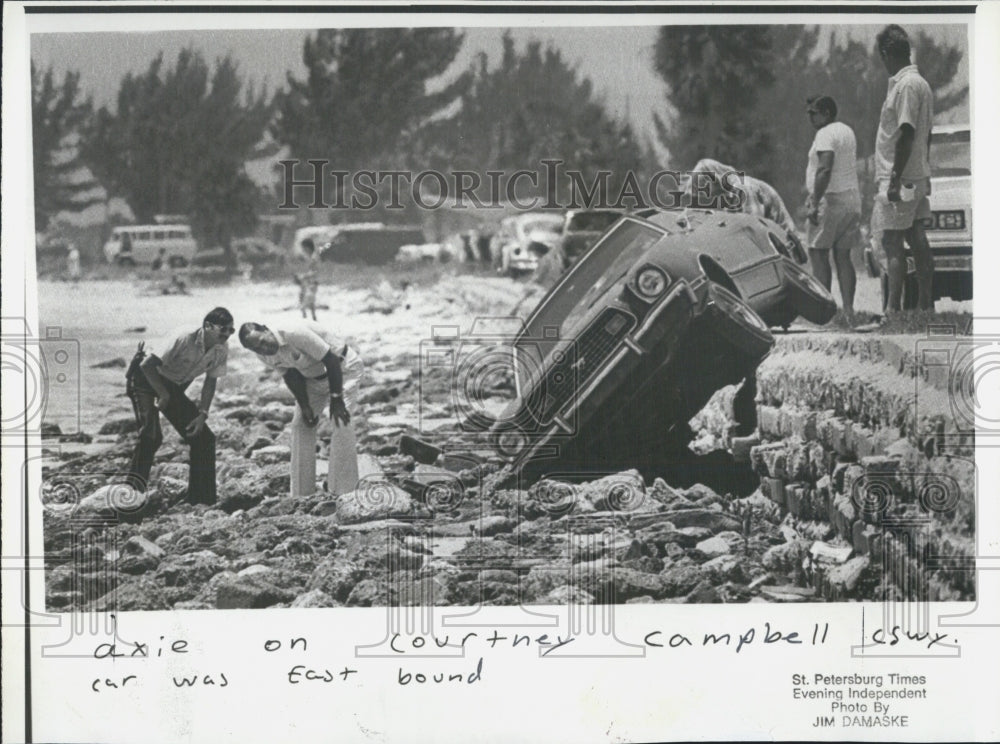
(823, 173)
(904, 148)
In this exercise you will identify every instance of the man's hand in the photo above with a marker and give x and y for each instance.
(309, 416)
(163, 400)
(892, 193)
(197, 424)
(338, 411)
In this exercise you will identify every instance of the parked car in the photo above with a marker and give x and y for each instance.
(371, 243)
(581, 229)
(133, 245)
(522, 239)
(949, 228)
(637, 336)
(257, 251)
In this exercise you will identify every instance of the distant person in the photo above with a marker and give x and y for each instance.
(308, 280)
(160, 260)
(73, 263)
(318, 367)
(902, 169)
(834, 202)
(760, 197)
(159, 384)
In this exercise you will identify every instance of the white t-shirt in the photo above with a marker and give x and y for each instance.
(302, 344)
(838, 138)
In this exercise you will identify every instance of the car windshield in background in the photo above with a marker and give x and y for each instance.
(548, 226)
(951, 154)
(592, 221)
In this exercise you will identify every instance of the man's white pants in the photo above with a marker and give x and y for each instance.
(342, 476)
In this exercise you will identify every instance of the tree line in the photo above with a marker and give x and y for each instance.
(178, 139)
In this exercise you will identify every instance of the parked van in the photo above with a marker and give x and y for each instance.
(132, 245)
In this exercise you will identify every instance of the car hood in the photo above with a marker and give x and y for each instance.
(951, 193)
(583, 292)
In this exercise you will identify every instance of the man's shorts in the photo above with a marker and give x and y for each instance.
(900, 215)
(839, 223)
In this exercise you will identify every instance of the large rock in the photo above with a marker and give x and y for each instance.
(620, 492)
(315, 598)
(276, 453)
(139, 555)
(336, 577)
(716, 521)
(679, 580)
(123, 425)
(121, 502)
(713, 547)
(375, 500)
(250, 592)
(190, 568)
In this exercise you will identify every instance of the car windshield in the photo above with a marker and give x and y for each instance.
(951, 154)
(592, 221)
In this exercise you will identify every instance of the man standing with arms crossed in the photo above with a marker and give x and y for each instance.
(316, 366)
(902, 169)
(160, 382)
(834, 203)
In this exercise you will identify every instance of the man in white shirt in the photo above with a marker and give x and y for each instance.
(316, 366)
(160, 381)
(902, 170)
(834, 203)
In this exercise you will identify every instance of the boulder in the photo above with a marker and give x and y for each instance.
(273, 454)
(713, 547)
(620, 492)
(139, 555)
(190, 568)
(124, 425)
(250, 592)
(715, 521)
(315, 598)
(376, 500)
(679, 580)
(335, 577)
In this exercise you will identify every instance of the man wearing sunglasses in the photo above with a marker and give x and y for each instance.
(159, 385)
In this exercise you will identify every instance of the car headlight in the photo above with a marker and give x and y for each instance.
(651, 282)
(509, 443)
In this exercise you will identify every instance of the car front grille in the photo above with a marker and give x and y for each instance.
(572, 369)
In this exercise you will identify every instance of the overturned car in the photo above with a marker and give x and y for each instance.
(664, 310)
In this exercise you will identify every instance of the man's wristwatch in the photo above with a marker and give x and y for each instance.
(203, 412)
(336, 396)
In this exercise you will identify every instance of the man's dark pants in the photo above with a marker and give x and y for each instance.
(180, 412)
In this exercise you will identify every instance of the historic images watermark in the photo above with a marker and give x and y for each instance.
(549, 186)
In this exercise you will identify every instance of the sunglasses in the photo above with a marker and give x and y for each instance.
(225, 330)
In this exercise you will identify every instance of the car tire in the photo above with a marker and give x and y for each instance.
(125, 261)
(807, 296)
(735, 320)
(178, 262)
(798, 251)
